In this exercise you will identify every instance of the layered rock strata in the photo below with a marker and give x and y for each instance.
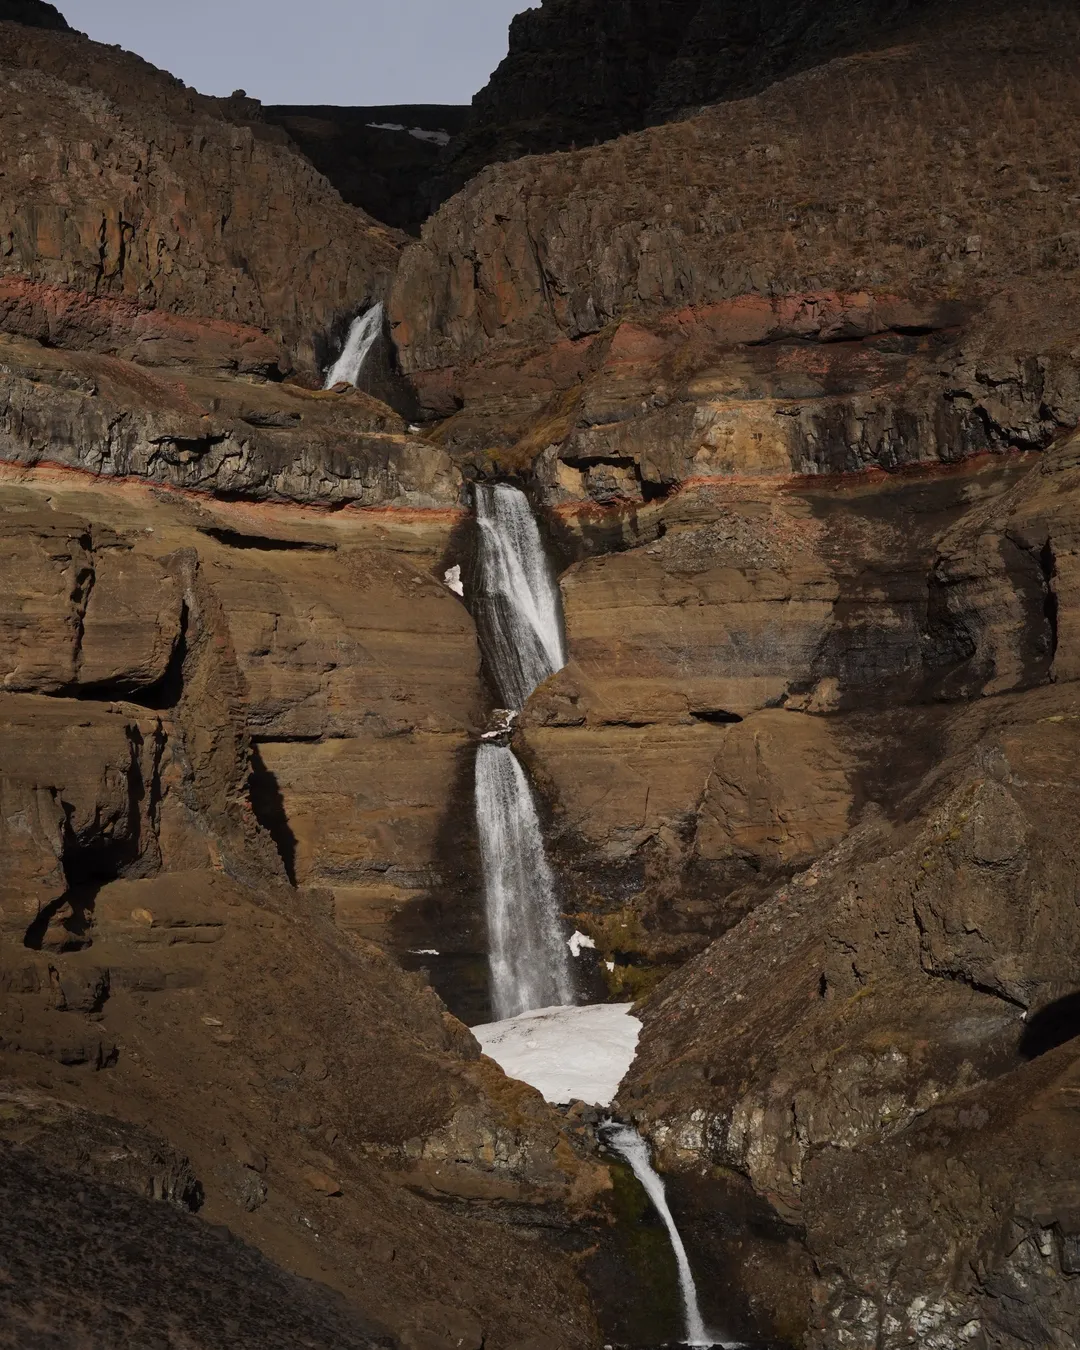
(878, 1023)
(579, 72)
(177, 209)
(720, 296)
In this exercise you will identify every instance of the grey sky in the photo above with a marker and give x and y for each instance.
(314, 51)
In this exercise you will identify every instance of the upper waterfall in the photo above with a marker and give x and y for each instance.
(363, 334)
(517, 600)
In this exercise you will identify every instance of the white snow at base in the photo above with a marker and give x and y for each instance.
(578, 942)
(568, 1054)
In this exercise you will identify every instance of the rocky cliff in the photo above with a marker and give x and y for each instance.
(724, 295)
(33, 13)
(583, 71)
(793, 385)
(226, 664)
(385, 159)
(176, 210)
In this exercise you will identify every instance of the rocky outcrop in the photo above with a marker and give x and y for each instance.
(141, 1264)
(876, 1027)
(181, 740)
(691, 747)
(577, 72)
(205, 432)
(35, 13)
(177, 209)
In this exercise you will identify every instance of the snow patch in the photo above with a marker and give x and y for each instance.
(568, 1054)
(420, 133)
(424, 951)
(452, 577)
(434, 137)
(578, 942)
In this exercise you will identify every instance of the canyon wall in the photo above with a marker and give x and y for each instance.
(724, 295)
(235, 702)
(793, 386)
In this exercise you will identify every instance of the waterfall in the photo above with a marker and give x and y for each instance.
(530, 964)
(629, 1145)
(363, 334)
(518, 613)
(517, 603)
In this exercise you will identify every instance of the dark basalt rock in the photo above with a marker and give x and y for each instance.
(33, 13)
(380, 159)
(583, 71)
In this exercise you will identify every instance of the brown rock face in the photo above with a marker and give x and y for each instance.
(870, 1039)
(216, 222)
(793, 387)
(722, 295)
(181, 736)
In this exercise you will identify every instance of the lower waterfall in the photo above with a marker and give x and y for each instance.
(363, 335)
(629, 1145)
(528, 955)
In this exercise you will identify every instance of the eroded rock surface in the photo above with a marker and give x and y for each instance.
(579, 72)
(877, 1026)
(181, 742)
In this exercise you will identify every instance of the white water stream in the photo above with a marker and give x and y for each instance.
(529, 957)
(518, 610)
(517, 606)
(363, 334)
(629, 1144)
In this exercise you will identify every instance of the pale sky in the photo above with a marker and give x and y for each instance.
(312, 51)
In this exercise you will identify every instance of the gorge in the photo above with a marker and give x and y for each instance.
(651, 588)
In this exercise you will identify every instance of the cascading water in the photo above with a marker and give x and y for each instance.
(629, 1145)
(517, 600)
(363, 334)
(530, 966)
(519, 617)
(518, 614)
